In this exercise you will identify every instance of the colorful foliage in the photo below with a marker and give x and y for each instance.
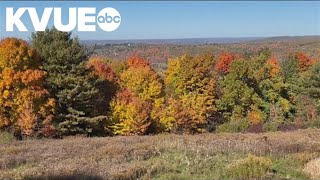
(224, 62)
(101, 68)
(190, 81)
(275, 67)
(249, 89)
(24, 101)
(133, 109)
(58, 88)
(304, 61)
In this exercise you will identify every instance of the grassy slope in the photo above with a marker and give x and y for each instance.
(204, 156)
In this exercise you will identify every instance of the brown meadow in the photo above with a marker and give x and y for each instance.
(164, 156)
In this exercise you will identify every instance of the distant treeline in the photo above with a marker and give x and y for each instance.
(159, 53)
(56, 87)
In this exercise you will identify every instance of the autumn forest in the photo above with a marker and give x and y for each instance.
(54, 86)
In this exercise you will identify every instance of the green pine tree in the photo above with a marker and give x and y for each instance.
(313, 82)
(69, 82)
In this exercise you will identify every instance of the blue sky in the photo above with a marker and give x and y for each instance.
(190, 19)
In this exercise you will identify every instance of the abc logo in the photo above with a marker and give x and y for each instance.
(109, 19)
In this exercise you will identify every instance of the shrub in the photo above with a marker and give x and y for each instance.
(271, 125)
(240, 125)
(276, 116)
(313, 124)
(6, 137)
(252, 167)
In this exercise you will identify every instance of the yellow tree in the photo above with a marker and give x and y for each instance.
(190, 83)
(140, 97)
(23, 98)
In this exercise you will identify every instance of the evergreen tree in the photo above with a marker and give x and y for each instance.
(312, 82)
(70, 82)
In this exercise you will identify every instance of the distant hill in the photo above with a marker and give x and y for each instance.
(159, 51)
(188, 41)
(204, 41)
(292, 39)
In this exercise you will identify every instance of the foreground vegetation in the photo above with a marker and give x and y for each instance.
(278, 155)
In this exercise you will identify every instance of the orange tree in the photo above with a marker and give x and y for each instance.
(23, 99)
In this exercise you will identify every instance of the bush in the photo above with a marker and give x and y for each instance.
(240, 125)
(6, 137)
(276, 116)
(313, 124)
(252, 167)
(271, 126)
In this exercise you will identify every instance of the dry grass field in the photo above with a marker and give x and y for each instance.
(278, 155)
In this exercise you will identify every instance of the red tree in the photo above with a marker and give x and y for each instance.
(136, 61)
(224, 62)
(304, 61)
(101, 69)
